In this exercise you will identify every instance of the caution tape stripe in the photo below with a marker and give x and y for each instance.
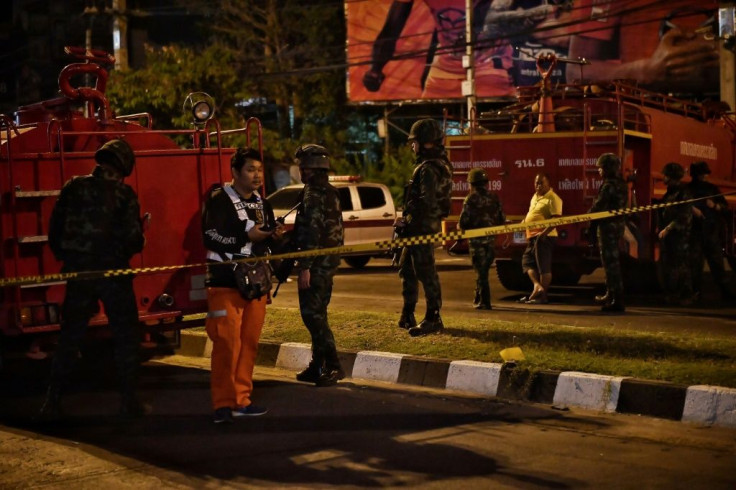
(359, 247)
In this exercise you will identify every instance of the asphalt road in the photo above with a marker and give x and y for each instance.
(351, 436)
(377, 288)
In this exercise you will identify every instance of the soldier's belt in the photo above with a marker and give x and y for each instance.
(360, 247)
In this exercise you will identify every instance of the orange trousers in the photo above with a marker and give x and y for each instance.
(234, 325)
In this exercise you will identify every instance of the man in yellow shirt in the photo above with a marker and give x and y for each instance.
(537, 258)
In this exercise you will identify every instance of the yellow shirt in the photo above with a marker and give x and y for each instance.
(542, 208)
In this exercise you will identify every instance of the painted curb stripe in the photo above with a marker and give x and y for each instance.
(593, 391)
(709, 405)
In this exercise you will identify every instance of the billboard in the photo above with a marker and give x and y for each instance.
(412, 50)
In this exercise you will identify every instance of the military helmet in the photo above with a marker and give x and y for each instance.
(609, 162)
(426, 131)
(312, 156)
(118, 154)
(477, 176)
(673, 171)
(699, 168)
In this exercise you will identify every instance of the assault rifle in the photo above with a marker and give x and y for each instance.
(285, 266)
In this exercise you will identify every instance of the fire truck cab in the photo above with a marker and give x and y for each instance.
(561, 131)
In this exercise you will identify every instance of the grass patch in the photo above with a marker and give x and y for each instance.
(675, 357)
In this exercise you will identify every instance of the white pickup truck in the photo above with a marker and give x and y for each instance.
(368, 212)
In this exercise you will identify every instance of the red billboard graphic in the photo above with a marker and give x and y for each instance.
(403, 50)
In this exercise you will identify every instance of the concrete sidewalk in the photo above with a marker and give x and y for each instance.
(709, 405)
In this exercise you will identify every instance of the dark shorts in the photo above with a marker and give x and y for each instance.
(538, 255)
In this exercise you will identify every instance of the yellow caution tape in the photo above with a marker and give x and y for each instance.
(359, 247)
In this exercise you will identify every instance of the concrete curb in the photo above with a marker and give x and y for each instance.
(708, 405)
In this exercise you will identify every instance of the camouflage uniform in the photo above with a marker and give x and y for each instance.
(481, 209)
(611, 195)
(705, 238)
(675, 248)
(423, 216)
(318, 224)
(96, 225)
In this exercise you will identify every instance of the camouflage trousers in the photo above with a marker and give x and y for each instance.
(313, 304)
(707, 246)
(608, 243)
(481, 256)
(80, 305)
(675, 265)
(417, 265)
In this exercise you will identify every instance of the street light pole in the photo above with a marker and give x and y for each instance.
(468, 87)
(727, 31)
(120, 34)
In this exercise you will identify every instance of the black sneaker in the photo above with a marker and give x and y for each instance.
(223, 415)
(249, 411)
(330, 377)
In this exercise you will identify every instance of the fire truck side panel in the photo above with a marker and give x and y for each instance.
(651, 131)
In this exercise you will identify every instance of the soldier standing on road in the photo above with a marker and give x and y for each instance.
(426, 203)
(674, 236)
(318, 224)
(481, 209)
(705, 238)
(611, 195)
(96, 225)
(232, 220)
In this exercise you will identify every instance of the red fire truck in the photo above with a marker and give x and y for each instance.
(46, 143)
(561, 130)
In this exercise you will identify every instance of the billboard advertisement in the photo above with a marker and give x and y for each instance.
(412, 50)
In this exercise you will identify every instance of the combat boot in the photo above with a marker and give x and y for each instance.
(432, 323)
(407, 319)
(51, 410)
(482, 300)
(603, 298)
(312, 373)
(330, 376)
(615, 304)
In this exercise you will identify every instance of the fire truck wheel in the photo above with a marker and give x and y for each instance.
(357, 262)
(511, 275)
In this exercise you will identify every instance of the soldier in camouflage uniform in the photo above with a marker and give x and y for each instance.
(675, 224)
(481, 209)
(318, 224)
(423, 213)
(705, 239)
(611, 195)
(96, 225)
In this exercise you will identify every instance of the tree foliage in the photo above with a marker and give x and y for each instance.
(171, 73)
(289, 53)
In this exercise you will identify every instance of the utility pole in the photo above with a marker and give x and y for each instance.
(726, 32)
(120, 34)
(468, 85)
